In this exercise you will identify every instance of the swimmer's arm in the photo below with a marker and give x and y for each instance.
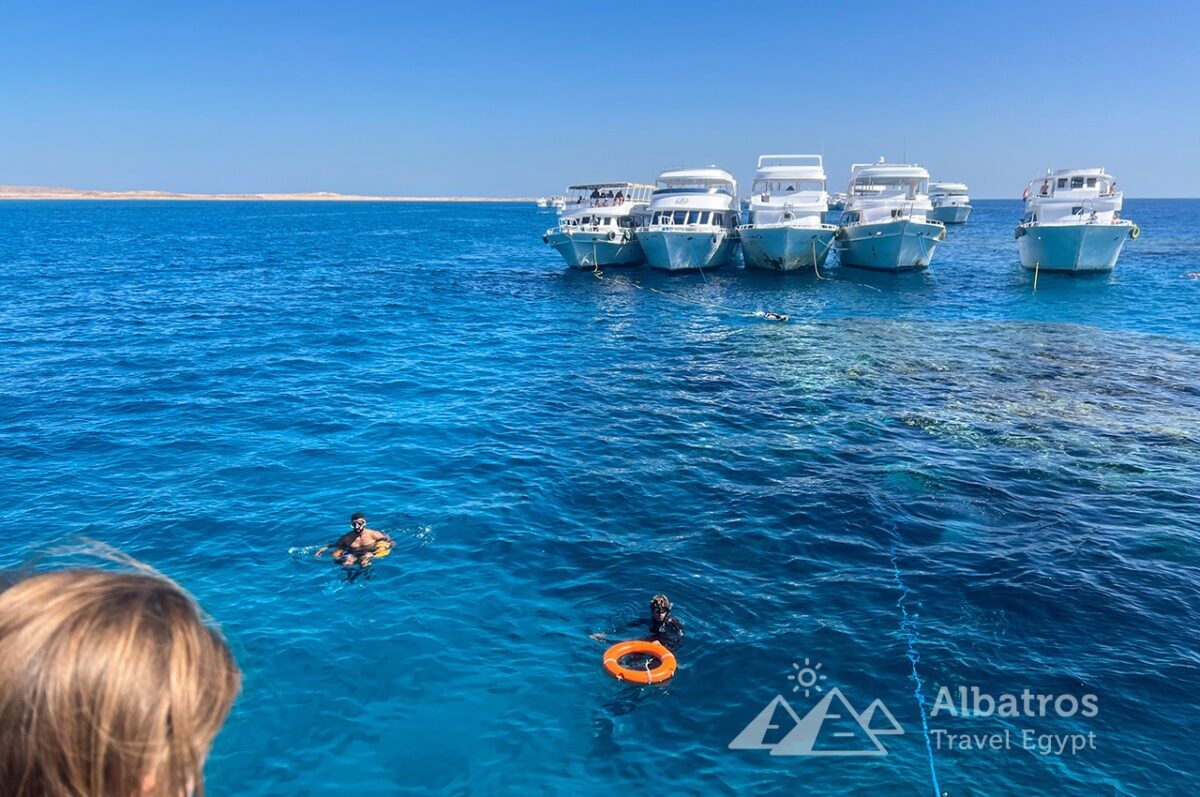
(337, 547)
(381, 536)
(601, 637)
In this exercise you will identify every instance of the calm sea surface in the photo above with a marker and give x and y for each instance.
(950, 468)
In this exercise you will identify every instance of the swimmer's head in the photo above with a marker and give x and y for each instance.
(358, 520)
(660, 607)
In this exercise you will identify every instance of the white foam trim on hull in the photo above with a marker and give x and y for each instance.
(1072, 247)
(595, 249)
(783, 248)
(892, 245)
(683, 250)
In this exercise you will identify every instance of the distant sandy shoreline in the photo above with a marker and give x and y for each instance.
(37, 192)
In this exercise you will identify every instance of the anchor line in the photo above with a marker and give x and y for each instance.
(908, 627)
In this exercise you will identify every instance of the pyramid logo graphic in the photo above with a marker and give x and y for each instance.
(830, 728)
(770, 727)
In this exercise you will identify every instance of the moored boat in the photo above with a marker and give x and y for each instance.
(885, 225)
(597, 225)
(1072, 222)
(950, 201)
(693, 220)
(785, 231)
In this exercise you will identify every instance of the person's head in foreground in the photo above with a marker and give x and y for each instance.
(111, 685)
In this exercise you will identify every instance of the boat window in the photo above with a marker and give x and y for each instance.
(681, 217)
(625, 221)
(1076, 182)
(1062, 182)
(1091, 182)
(694, 217)
(1077, 211)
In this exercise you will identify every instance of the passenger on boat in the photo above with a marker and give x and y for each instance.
(1045, 188)
(663, 627)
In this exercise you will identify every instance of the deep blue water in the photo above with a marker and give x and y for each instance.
(949, 467)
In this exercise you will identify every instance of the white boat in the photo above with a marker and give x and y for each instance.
(693, 220)
(559, 203)
(597, 223)
(951, 202)
(837, 202)
(1072, 222)
(784, 230)
(542, 202)
(885, 225)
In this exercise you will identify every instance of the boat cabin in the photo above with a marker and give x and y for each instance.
(1072, 196)
(1072, 183)
(606, 195)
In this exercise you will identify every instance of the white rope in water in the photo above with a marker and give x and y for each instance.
(908, 627)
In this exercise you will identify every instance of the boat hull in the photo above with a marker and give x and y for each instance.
(687, 250)
(782, 248)
(951, 214)
(595, 250)
(1075, 248)
(893, 245)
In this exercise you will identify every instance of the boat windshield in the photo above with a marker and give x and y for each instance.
(1086, 183)
(777, 188)
(688, 217)
(868, 185)
(669, 190)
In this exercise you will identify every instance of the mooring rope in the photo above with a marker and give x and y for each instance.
(908, 627)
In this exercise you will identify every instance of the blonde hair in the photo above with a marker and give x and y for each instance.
(111, 685)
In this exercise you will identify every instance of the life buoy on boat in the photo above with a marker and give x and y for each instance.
(612, 236)
(664, 670)
(1135, 232)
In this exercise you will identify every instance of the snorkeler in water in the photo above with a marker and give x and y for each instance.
(358, 546)
(663, 627)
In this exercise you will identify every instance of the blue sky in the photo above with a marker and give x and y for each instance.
(522, 98)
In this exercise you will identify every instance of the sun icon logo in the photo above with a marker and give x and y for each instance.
(806, 677)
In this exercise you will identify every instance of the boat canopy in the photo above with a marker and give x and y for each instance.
(604, 186)
(605, 194)
(947, 188)
(710, 177)
(790, 167)
(895, 172)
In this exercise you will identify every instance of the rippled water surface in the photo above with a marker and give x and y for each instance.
(952, 468)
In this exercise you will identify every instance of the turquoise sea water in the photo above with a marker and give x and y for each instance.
(946, 468)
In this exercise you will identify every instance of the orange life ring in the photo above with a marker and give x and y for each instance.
(664, 670)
